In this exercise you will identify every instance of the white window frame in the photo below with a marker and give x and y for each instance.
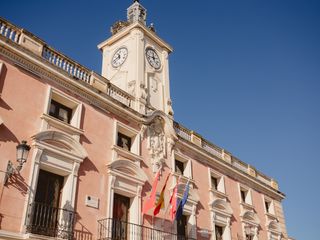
(67, 101)
(248, 199)
(134, 154)
(187, 173)
(220, 181)
(72, 128)
(271, 210)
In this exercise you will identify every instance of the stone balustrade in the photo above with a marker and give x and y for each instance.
(67, 65)
(9, 31)
(214, 150)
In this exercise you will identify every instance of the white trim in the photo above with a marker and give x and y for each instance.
(127, 179)
(248, 199)
(73, 127)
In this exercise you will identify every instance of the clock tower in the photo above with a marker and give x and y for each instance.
(135, 59)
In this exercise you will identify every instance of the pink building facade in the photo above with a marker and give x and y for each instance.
(98, 141)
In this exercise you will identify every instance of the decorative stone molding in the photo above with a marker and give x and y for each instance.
(156, 143)
(196, 139)
(161, 138)
(98, 82)
(61, 142)
(251, 171)
(274, 184)
(30, 42)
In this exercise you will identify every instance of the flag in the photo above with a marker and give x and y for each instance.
(182, 202)
(152, 199)
(173, 201)
(160, 203)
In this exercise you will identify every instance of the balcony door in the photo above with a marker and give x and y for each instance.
(120, 224)
(45, 209)
(182, 227)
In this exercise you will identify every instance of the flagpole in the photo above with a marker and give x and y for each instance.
(165, 213)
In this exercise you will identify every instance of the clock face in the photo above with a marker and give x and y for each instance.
(153, 58)
(119, 57)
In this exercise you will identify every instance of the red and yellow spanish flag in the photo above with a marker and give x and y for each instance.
(174, 201)
(160, 202)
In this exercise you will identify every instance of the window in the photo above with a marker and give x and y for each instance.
(126, 138)
(214, 183)
(268, 203)
(182, 165)
(219, 232)
(245, 195)
(60, 111)
(63, 108)
(124, 141)
(179, 167)
(249, 237)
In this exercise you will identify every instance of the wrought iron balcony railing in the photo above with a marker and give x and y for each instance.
(113, 229)
(50, 221)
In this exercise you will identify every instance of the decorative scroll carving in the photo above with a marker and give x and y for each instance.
(117, 26)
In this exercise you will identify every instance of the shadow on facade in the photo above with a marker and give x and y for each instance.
(18, 182)
(86, 166)
(6, 135)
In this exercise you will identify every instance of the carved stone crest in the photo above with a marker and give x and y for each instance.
(156, 143)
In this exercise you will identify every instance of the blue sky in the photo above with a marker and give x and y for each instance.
(244, 74)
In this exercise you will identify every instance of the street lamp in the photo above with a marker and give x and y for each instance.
(22, 154)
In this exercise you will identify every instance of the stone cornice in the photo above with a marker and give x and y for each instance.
(232, 172)
(125, 31)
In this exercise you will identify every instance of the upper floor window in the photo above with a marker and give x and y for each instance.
(180, 166)
(124, 141)
(60, 111)
(216, 181)
(269, 206)
(245, 195)
(249, 237)
(127, 138)
(64, 108)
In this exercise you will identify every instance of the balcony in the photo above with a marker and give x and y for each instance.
(50, 221)
(113, 229)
